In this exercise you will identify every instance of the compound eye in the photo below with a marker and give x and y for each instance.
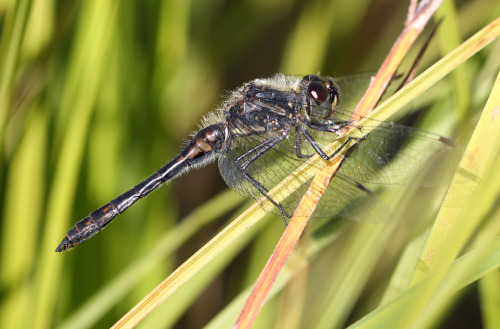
(318, 91)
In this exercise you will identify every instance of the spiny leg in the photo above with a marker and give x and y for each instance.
(322, 153)
(298, 148)
(254, 154)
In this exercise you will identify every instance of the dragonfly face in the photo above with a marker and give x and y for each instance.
(321, 97)
(267, 129)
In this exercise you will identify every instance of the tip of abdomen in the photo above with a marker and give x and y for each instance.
(65, 244)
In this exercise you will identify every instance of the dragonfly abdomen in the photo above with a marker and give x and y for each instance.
(207, 143)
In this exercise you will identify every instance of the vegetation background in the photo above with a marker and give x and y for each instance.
(97, 95)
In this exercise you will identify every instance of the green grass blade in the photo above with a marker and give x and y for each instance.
(489, 285)
(452, 229)
(389, 315)
(80, 99)
(13, 34)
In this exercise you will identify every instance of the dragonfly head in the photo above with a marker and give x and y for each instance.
(321, 97)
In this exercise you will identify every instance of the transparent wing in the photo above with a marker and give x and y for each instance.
(352, 88)
(391, 154)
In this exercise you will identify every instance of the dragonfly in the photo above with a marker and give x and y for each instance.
(268, 128)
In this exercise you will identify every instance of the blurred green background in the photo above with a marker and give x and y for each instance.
(97, 95)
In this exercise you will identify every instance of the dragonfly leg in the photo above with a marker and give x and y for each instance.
(298, 149)
(322, 153)
(254, 154)
(334, 126)
(337, 128)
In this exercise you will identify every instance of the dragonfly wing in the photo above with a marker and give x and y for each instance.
(390, 155)
(394, 154)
